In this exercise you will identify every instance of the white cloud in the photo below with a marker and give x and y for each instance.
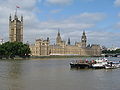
(93, 16)
(117, 2)
(59, 2)
(89, 17)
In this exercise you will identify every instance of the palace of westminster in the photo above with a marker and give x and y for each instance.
(44, 48)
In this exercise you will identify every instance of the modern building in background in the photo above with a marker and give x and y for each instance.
(43, 47)
(15, 29)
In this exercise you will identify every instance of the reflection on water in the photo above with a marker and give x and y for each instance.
(14, 76)
(10, 75)
(55, 75)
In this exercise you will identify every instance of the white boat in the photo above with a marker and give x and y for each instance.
(99, 63)
(117, 64)
(107, 66)
(112, 65)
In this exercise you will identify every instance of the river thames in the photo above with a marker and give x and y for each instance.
(55, 74)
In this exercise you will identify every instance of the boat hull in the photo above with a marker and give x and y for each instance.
(99, 67)
(80, 65)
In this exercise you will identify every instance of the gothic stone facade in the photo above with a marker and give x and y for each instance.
(15, 29)
(43, 47)
(40, 48)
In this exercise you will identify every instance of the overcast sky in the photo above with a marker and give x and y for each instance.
(42, 18)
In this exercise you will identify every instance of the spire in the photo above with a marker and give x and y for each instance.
(15, 17)
(48, 39)
(58, 32)
(21, 18)
(83, 35)
(10, 18)
(84, 32)
(68, 41)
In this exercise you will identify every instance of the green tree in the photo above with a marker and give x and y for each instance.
(2, 52)
(12, 49)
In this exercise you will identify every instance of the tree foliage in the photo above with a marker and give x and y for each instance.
(12, 49)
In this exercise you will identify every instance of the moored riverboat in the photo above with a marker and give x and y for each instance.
(81, 64)
(95, 64)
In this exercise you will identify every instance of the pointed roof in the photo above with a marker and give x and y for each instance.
(68, 41)
(15, 16)
(21, 17)
(58, 32)
(10, 17)
(84, 32)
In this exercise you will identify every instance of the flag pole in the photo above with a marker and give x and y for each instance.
(16, 11)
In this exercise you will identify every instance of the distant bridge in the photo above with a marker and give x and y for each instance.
(111, 55)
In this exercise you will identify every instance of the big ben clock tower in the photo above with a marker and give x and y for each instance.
(83, 40)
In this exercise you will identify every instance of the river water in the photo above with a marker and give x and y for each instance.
(55, 74)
